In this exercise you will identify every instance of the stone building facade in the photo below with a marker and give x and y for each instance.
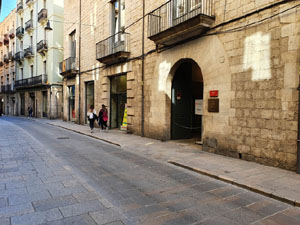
(223, 73)
(7, 65)
(39, 49)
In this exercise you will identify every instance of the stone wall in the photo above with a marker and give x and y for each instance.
(252, 61)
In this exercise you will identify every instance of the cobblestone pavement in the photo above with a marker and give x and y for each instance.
(52, 176)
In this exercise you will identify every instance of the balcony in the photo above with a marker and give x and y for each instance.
(42, 47)
(6, 39)
(68, 67)
(11, 56)
(177, 21)
(20, 32)
(42, 16)
(29, 26)
(7, 88)
(6, 59)
(20, 7)
(19, 56)
(29, 2)
(114, 49)
(32, 81)
(28, 53)
(12, 34)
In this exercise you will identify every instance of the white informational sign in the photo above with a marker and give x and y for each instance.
(199, 106)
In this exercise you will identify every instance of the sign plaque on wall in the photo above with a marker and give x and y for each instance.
(214, 93)
(199, 107)
(213, 105)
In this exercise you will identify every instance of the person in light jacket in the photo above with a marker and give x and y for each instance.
(92, 116)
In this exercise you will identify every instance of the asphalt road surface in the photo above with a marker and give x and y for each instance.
(53, 176)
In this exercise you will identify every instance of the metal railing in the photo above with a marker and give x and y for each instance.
(41, 79)
(20, 31)
(29, 25)
(175, 12)
(19, 56)
(6, 59)
(42, 46)
(113, 44)
(6, 39)
(29, 1)
(11, 56)
(28, 52)
(20, 6)
(68, 65)
(42, 15)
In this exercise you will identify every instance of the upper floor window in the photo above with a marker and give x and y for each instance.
(118, 15)
(73, 44)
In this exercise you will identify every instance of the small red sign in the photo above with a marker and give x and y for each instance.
(214, 93)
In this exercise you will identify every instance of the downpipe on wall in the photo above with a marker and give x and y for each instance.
(298, 136)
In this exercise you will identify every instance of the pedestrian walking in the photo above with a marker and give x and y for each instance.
(103, 118)
(92, 116)
(30, 112)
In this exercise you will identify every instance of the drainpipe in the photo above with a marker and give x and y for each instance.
(298, 139)
(79, 65)
(143, 75)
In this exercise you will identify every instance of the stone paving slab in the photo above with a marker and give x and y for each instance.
(273, 182)
(36, 187)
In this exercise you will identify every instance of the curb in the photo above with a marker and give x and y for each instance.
(241, 185)
(89, 135)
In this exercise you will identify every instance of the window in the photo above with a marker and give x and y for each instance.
(21, 73)
(31, 41)
(118, 16)
(31, 70)
(45, 67)
(73, 44)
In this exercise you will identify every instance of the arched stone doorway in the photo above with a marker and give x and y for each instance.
(186, 100)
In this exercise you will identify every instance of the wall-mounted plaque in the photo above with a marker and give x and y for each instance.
(213, 105)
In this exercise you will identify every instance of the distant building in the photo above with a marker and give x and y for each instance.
(223, 74)
(7, 65)
(39, 49)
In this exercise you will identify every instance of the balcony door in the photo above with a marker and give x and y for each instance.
(118, 17)
(185, 9)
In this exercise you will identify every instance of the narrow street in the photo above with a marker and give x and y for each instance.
(53, 176)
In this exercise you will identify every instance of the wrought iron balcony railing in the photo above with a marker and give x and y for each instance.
(20, 32)
(193, 14)
(29, 2)
(19, 56)
(11, 56)
(113, 49)
(20, 6)
(6, 59)
(68, 66)
(6, 39)
(28, 53)
(12, 34)
(29, 25)
(42, 46)
(42, 15)
(32, 81)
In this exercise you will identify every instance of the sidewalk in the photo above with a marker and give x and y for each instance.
(273, 182)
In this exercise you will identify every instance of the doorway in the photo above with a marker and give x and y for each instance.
(118, 99)
(45, 104)
(72, 103)
(32, 103)
(187, 92)
(89, 97)
(22, 97)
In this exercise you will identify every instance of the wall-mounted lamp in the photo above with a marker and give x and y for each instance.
(48, 27)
